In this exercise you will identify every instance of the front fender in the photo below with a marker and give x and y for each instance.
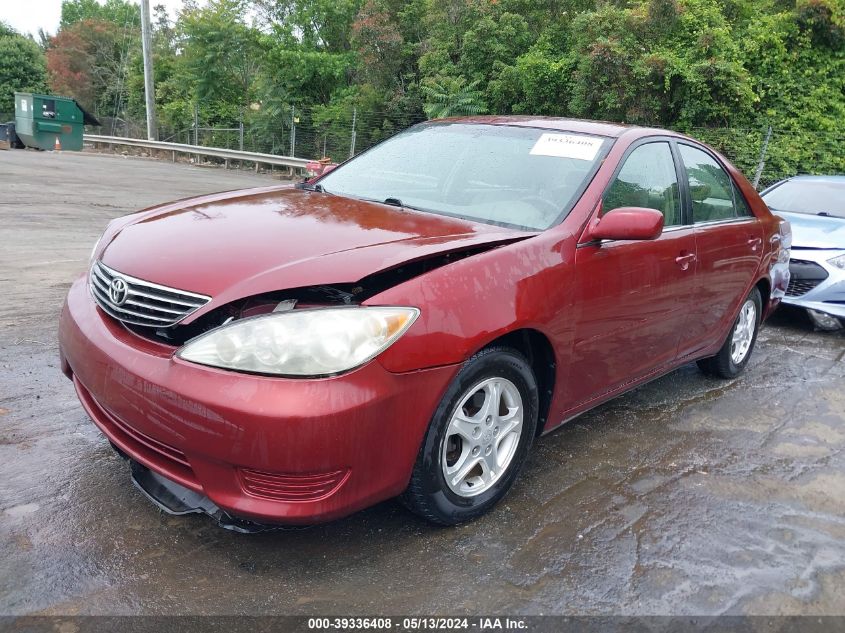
(466, 304)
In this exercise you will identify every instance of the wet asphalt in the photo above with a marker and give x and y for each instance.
(691, 495)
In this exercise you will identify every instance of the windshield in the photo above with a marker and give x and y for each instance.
(527, 178)
(825, 197)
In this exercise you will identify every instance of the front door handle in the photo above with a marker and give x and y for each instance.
(685, 259)
(754, 242)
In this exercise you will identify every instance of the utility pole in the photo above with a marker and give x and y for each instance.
(293, 130)
(354, 133)
(762, 163)
(241, 131)
(149, 88)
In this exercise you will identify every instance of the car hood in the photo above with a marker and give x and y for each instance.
(239, 244)
(815, 231)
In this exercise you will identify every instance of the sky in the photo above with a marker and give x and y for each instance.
(27, 16)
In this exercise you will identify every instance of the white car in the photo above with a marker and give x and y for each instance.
(815, 207)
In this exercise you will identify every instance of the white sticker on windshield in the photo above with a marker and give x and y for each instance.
(567, 146)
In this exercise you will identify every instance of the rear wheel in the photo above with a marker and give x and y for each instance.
(478, 439)
(734, 354)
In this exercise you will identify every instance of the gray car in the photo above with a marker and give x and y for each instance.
(815, 206)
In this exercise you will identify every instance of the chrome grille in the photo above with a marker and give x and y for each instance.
(141, 302)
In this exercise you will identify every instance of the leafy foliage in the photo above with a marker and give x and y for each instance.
(222, 61)
(86, 60)
(22, 69)
(120, 12)
(699, 66)
(451, 96)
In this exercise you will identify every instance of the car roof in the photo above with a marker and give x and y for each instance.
(601, 128)
(817, 178)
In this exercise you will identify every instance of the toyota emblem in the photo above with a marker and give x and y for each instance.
(118, 291)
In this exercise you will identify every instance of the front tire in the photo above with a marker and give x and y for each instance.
(735, 352)
(478, 439)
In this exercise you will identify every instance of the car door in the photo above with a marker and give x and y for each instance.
(632, 298)
(729, 245)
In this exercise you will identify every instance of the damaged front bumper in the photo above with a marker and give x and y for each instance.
(268, 451)
(175, 499)
(816, 284)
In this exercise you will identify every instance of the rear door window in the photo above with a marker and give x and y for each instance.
(710, 186)
(742, 208)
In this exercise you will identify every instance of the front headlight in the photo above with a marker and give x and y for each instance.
(316, 342)
(839, 261)
(785, 234)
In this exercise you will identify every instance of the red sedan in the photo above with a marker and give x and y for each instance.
(408, 323)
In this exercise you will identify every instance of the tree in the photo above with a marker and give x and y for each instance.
(120, 12)
(379, 43)
(692, 65)
(22, 68)
(796, 59)
(670, 64)
(451, 96)
(310, 24)
(87, 60)
(538, 82)
(221, 57)
(493, 41)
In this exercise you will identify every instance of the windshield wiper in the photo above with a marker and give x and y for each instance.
(309, 187)
(391, 201)
(396, 202)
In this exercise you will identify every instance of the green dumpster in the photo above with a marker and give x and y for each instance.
(41, 120)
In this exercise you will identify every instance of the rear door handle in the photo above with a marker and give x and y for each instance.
(754, 242)
(684, 260)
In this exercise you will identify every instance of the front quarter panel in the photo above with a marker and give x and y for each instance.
(467, 304)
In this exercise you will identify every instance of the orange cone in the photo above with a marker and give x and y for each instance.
(58, 146)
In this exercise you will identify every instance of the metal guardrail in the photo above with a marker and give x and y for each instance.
(199, 150)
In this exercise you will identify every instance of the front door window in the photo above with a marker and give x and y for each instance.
(647, 179)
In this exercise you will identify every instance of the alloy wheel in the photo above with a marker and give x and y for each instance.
(482, 436)
(743, 333)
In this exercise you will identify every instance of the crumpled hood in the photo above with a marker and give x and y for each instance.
(815, 231)
(244, 243)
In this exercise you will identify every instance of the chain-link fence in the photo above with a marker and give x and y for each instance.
(764, 155)
(768, 155)
(300, 132)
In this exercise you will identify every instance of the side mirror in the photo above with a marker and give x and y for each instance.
(628, 223)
